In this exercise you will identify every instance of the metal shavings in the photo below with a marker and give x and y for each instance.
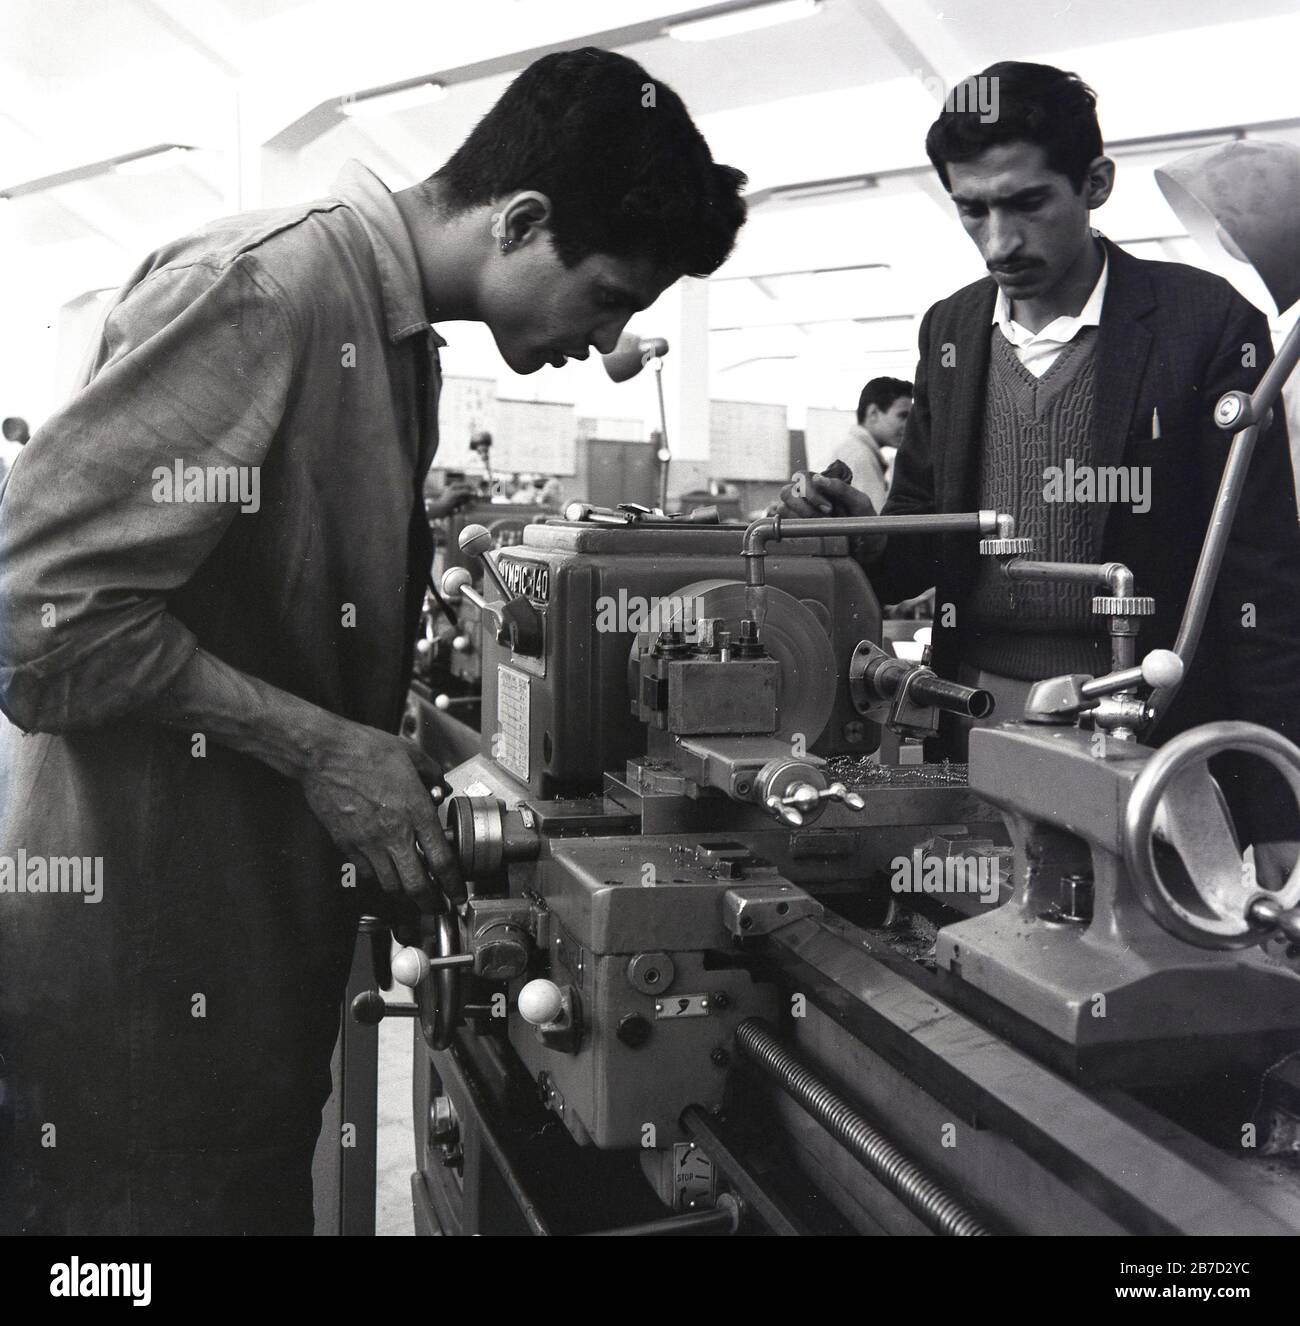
(860, 771)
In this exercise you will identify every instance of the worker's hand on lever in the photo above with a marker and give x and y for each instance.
(809, 495)
(371, 791)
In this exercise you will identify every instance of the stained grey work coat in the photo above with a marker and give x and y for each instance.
(173, 1039)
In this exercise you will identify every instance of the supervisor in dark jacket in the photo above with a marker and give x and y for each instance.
(1074, 386)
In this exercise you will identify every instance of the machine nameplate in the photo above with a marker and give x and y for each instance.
(511, 747)
(528, 578)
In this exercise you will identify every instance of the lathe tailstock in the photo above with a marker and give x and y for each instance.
(723, 971)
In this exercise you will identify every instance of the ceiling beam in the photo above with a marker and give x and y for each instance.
(100, 217)
(927, 184)
(204, 27)
(84, 172)
(408, 153)
(778, 194)
(920, 41)
(374, 146)
(323, 117)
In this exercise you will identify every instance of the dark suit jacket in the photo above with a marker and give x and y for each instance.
(1174, 339)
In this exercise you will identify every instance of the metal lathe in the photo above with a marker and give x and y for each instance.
(726, 968)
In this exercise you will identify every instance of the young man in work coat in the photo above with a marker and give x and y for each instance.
(204, 675)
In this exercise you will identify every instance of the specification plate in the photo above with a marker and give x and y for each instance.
(510, 747)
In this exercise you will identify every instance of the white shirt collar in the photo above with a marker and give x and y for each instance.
(1059, 331)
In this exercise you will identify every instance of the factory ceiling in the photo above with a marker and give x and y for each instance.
(826, 113)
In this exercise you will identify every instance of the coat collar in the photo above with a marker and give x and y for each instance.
(399, 271)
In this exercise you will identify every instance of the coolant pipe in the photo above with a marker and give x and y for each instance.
(1114, 576)
(772, 529)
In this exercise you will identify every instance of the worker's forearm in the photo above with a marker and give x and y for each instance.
(248, 715)
(368, 789)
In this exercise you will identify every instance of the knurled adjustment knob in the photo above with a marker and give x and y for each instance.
(1006, 547)
(1133, 605)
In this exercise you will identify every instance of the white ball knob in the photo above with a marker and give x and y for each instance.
(442, 701)
(454, 580)
(475, 540)
(462, 644)
(410, 966)
(540, 1002)
(1162, 667)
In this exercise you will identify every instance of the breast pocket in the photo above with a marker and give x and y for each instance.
(1158, 475)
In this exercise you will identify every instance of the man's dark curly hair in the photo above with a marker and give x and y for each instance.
(1036, 103)
(882, 393)
(627, 172)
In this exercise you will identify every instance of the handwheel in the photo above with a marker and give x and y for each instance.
(1212, 905)
(438, 995)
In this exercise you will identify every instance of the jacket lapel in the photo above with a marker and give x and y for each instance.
(959, 432)
(1123, 346)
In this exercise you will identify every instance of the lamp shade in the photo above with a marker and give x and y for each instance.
(631, 354)
(1243, 199)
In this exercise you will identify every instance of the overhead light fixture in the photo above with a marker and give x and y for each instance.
(150, 162)
(143, 161)
(1240, 199)
(746, 19)
(402, 98)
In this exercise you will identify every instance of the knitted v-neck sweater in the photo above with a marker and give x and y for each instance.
(1034, 630)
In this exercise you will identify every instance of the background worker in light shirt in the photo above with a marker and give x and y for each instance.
(869, 448)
